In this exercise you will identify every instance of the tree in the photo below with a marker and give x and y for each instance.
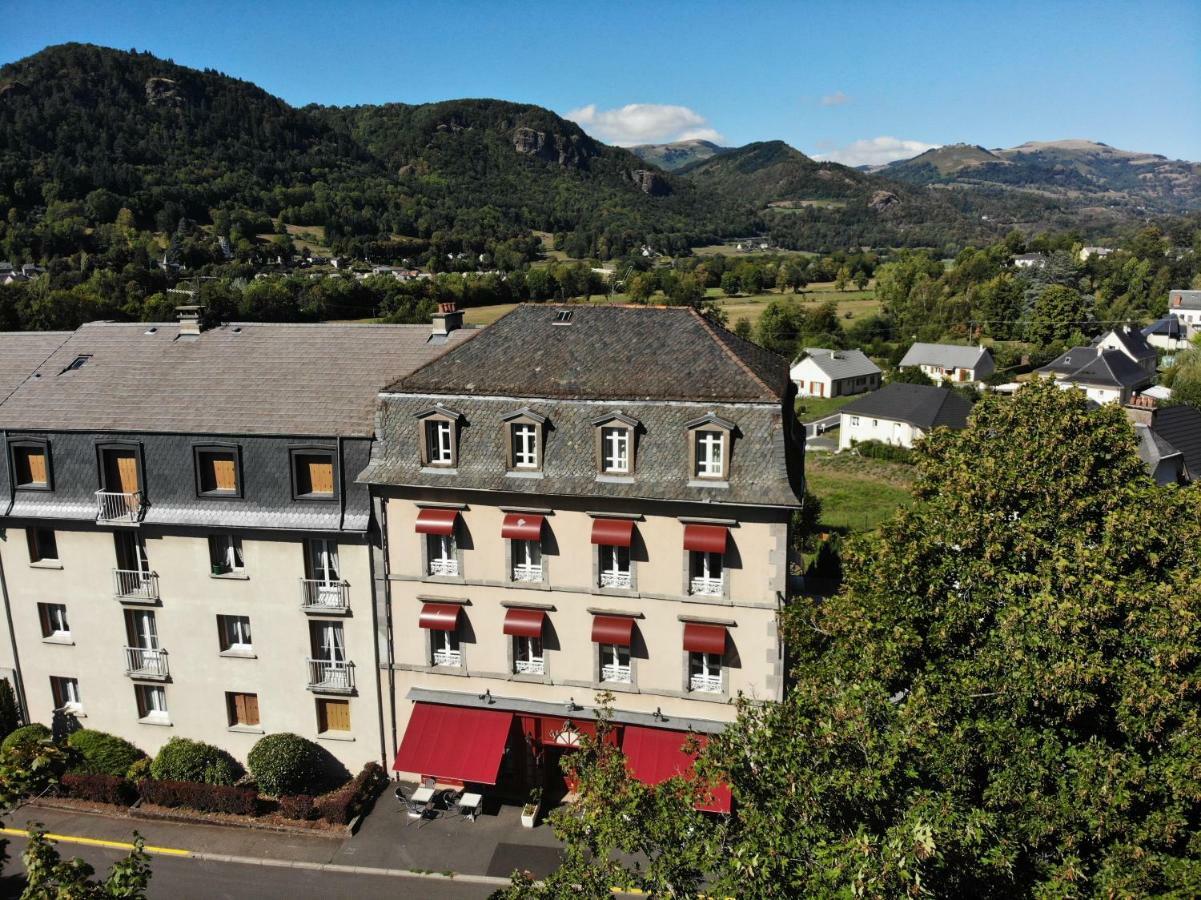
(1059, 312)
(1000, 702)
(743, 329)
(48, 877)
(841, 279)
(910, 375)
(729, 283)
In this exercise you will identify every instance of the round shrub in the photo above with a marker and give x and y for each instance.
(139, 770)
(26, 734)
(183, 760)
(288, 764)
(100, 753)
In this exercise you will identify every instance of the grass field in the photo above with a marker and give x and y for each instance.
(810, 409)
(857, 494)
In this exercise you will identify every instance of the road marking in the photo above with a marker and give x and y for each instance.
(97, 842)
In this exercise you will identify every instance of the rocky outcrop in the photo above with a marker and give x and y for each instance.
(882, 200)
(652, 183)
(163, 92)
(566, 151)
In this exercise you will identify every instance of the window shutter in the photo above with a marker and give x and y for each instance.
(321, 476)
(252, 709)
(224, 473)
(127, 472)
(37, 467)
(334, 715)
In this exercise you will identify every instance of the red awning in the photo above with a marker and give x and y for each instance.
(521, 527)
(440, 616)
(452, 743)
(617, 630)
(436, 521)
(524, 622)
(613, 532)
(657, 754)
(706, 538)
(700, 638)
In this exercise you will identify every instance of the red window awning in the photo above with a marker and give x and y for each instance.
(706, 538)
(613, 532)
(524, 622)
(521, 527)
(700, 638)
(440, 616)
(617, 630)
(452, 743)
(436, 521)
(657, 754)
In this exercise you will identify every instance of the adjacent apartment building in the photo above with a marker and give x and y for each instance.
(574, 500)
(186, 547)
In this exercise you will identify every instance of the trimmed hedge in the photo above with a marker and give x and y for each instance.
(140, 769)
(100, 788)
(217, 798)
(181, 759)
(288, 764)
(341, 806)
(298, 806)
(880, 450)
(27, 734)
(102, 754)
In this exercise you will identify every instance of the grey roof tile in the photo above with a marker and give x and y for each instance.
(948, 356)
(921, 405)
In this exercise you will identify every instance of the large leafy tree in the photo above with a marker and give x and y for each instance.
(1002, 701)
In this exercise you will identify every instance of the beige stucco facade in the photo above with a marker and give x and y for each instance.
(186, 618)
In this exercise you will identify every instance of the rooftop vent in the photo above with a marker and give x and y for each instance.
(563, 316)
(151, 330)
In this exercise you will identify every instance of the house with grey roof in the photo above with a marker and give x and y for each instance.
(950, 362)
(188, 551)
(1186, 306)
(1167, 333)
(1105, 375)
(1169, 442)
(834, 373)
(1133, 343)
(901, 414)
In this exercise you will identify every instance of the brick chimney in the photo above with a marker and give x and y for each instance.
(447, 318)
(189, 320)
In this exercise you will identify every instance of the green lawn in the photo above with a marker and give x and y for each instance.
(809, 409)
(857, 494)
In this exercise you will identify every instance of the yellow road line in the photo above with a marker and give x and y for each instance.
(97, 842)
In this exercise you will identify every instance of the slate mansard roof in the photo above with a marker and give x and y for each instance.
(837, 364)
(921, 405)
(253, 379)
(667, 368)
(606, 352)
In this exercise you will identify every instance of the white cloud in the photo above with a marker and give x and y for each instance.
(876, 151)
(644, 123)
(838, 98)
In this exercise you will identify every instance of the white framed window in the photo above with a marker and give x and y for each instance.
(322, 561)
(152, 703)
(142, 629)
(615, 664)
(704, 672)
(235, 634)
(66, 693)
(707, 573)
(527, 656)
(225, 554)
(446, 650)
(439, 442)
(527, 561)
(614, 567)
(441, 552)
(854, 420)
(329, 642)
(54, 621)
(524, 438)
(710, 453)
(615, 450)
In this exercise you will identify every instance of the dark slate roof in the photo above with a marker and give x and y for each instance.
(21, 352)
(1104, 368)
(1169, 326)
(1132, 339)
(921, 405)
(250, 378)
(841, 363)
(606, 352)
(1180, 426)
(1153, 448)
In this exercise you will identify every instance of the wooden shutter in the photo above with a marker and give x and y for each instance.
(127, 472)
(321, 474)
(225, 475)
(252, 709)
(334, 715)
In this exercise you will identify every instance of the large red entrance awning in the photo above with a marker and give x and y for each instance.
(612, 532)
(436, 521)
(657, 754)
(521, 527)
(706, 538)
(617, 630)
(452, 743)
(524, 622)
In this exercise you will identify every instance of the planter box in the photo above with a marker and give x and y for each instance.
(529, 816)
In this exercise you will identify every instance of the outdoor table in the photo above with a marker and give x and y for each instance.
(419, 801)
(469, 805)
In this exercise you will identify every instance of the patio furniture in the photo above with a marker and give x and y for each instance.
(420, 803)
(470, 805)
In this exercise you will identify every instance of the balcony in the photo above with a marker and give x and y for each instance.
(529, 667)
(709, 587)
(444, 657)
(331, 677)
(616, 674)
(323, 597)
(615, 580)
(708, 684)
(120, 508)
(444, 567)
(134, 586)
(141, 662)
(528, 573)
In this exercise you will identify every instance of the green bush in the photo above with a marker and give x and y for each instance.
(183, 760)
(139, 770)
(100, 753)
(880, 450)
(288, 764)
(9, 718)
(26, 734)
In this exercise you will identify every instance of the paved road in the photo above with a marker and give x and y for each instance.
(184, 879)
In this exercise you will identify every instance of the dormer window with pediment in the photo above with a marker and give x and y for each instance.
(615, 444)
(439, 437)
(710, 440)
(524, 433)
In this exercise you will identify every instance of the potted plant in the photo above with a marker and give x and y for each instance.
(529, 812)
(220, 568)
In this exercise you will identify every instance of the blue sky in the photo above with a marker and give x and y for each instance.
(858, 82)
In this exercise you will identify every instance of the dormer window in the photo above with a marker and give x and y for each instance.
(31, 465)
(524, 431)
(615, 444)
(439, 437)
(709, 448)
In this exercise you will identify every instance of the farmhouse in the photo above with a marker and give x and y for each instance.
(834, 373)
(900, 414)
(953, 362)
